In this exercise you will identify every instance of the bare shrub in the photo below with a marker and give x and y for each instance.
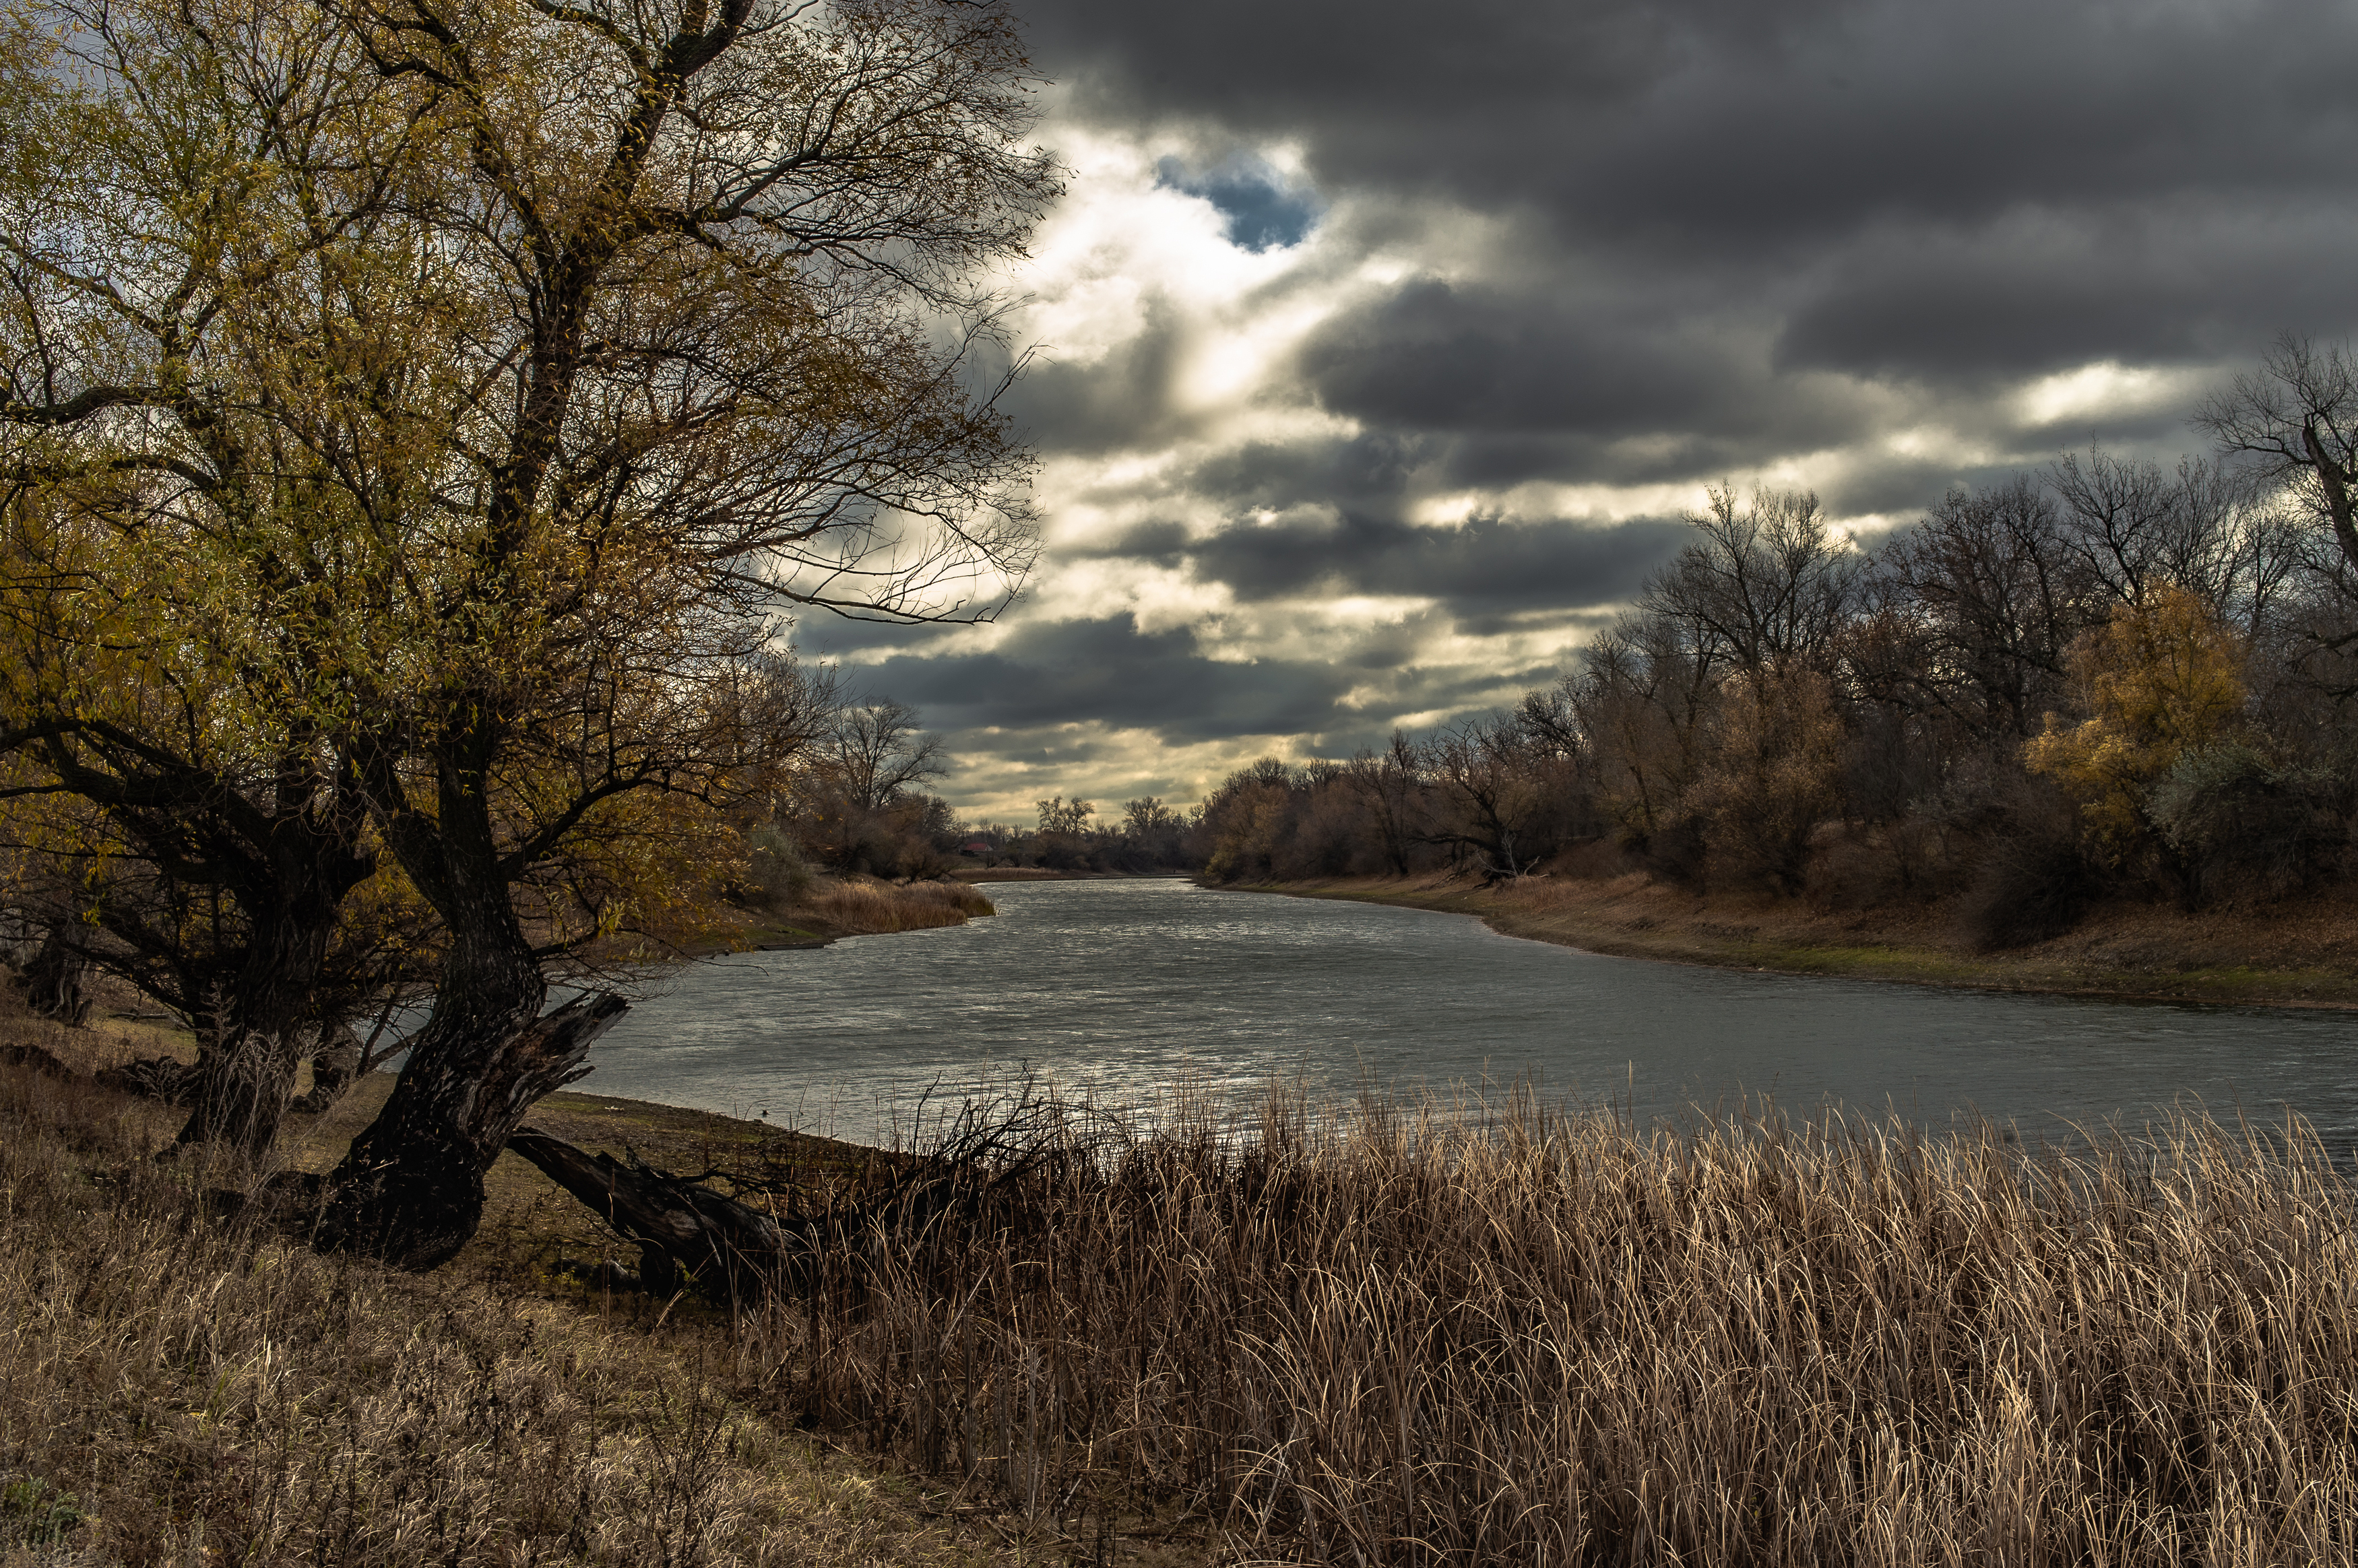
(2033, 877)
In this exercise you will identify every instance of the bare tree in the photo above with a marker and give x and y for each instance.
(1638, 706)
(2212, 529)
(1386, 782)
(2298, 417)
(1499, 799)
(1986, 593)
(1767, 585)
(878, 753)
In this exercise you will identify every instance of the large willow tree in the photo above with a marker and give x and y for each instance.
(190, 199)
(657, 320)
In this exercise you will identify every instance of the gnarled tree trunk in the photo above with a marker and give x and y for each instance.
(734, 1251)
(411, 1189)
(245, 1074)
(52, 979)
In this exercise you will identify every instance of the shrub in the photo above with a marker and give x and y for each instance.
(868, 908)
(2034, 877)
(2242, 825)
(779, 868)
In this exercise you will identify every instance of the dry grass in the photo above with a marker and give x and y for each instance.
(870, 908)
(1513, 1334)
(1533, 1336)
(181, 1384)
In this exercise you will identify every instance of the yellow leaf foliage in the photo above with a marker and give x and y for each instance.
(2159, 679)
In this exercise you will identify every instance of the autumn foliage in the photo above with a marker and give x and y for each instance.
(2102, 681)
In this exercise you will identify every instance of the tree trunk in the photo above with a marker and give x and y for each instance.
(734, 1251)
(244, 1080)
(411, 1190)
(53, 981)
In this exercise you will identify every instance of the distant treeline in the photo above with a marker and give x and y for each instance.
(2103, 678)
(854, 802)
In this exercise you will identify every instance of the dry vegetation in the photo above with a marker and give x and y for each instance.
(1444, 1335)
(1531, 1336)
(181, 1383)
(854, 907)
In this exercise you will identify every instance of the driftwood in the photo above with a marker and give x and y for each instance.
(971, 1182)
(152, 1077)
(730, 1249)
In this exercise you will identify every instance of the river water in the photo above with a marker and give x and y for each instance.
(1123, 991)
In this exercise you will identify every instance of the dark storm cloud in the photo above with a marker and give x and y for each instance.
(2183, 283)
(1935, 190)
(1486, 564)
(1018, 705)
(1436, 357)
(1367, 469)
(1108, 671)
(1730, 115)
(1543, 387)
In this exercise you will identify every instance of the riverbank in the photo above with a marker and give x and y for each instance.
(185, 1383)
(826, 910)
(2302, 953)
(1125, 1346)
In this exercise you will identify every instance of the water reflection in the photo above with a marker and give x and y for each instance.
(1121, 989)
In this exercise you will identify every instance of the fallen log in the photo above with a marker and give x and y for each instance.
(973, 1183)
(731, 1250)
(33, 1056)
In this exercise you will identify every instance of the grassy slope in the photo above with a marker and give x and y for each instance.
(2301, 955)
(201, 1390)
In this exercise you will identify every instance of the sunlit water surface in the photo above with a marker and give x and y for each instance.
(1123, 991)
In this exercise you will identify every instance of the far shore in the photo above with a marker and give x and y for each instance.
(2292, 956)
(1043, 874)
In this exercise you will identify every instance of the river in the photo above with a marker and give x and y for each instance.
(1122, 990)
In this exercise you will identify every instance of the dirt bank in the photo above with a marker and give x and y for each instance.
(2302, 953)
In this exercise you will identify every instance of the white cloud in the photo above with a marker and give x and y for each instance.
(2107, 390)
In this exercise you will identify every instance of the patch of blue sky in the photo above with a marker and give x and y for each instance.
(1262, 208)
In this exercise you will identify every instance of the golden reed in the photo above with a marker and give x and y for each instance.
(1513, 1334)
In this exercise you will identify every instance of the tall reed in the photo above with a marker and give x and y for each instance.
(1536, 1335)
(859, 908)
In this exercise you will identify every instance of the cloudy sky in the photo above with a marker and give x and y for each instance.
(1382, 347)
